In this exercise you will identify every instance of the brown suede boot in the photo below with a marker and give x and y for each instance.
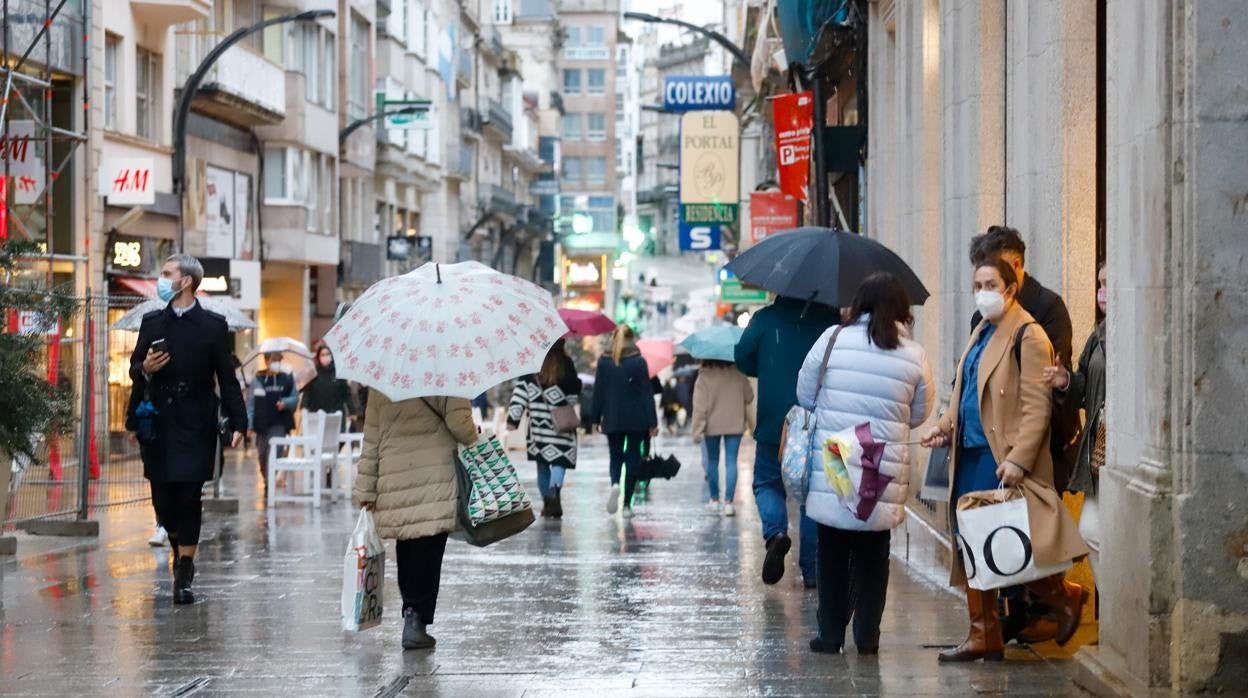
(984, 641)
(1066, 601)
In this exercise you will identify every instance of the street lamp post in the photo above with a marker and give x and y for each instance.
(737, 53)
(183, 110)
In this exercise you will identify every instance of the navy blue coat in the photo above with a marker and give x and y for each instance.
(772, 349)
(624, 396)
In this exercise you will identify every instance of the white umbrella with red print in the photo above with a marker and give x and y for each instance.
(454, 329)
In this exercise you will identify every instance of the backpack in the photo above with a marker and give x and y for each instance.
(1065, 426)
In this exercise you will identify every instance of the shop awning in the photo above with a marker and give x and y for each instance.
(141, 287)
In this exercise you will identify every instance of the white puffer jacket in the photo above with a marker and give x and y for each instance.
(890, 389)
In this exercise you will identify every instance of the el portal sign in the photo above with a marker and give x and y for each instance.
(710, 163)
(683, 93)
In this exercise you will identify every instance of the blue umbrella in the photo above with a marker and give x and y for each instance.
(717, 343)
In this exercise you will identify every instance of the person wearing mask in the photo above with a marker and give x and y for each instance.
(999, 414)
(1085, 388)
(326, 392)
(879, 376)
(623, 409)
(407, 478)
(553, 388)
(181, 360)
(772, 350)
(271, 410)
(1026, 619)
(721, 397)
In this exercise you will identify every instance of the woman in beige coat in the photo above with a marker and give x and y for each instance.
(721, 413)
(407, 478)
(999, 412)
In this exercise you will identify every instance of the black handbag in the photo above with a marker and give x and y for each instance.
(936, 479)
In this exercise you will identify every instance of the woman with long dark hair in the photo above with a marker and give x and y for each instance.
(873, 374)
(624, 410)
(551, 441)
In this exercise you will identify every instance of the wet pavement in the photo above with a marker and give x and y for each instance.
(668, 604)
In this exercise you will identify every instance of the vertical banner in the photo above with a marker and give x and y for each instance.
(4, 209)
(794, 115)
(771, 212)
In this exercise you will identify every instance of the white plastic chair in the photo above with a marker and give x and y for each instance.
(309, 461)
(330, 430)
(351, 449)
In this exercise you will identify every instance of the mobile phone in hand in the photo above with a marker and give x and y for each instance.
(160, 346)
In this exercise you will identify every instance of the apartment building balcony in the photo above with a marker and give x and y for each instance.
(502, 199)
(492, 44)
(498, 121)
(166, 13)
(471, 122)
(525, 157)
(460, 162)
(242, 88)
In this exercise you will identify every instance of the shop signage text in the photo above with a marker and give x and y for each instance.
(794, 118)
(710, 148)
(699, 237)
(128, 181)
(19, 150)
(733, 291)
(770, 212)
(419, 117)
(698, 92)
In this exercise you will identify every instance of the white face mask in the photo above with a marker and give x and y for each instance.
(991, 304)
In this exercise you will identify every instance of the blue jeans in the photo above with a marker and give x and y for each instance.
(549, 476)
(770, 497)
(732, 445)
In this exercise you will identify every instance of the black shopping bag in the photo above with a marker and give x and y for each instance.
(936, 479)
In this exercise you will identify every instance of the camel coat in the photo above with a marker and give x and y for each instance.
(721, 403)
(1014, 406)
(407, 467)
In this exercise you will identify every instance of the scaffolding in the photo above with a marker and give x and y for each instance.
(43, 76)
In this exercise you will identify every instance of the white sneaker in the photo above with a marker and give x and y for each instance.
(728, 510)
(628, 513)
(159, 539)
(713, 506)
(613, 501)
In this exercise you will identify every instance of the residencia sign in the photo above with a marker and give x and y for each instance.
(710, 147)
(698, 92)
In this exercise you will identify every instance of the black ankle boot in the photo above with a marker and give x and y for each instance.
(414, 635)
(556, 501)
(183, 576)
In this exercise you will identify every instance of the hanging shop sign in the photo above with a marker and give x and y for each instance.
(699, 237)
(710, 161)
(419, 114)
(227, 213)
(770, 211)
(20, 150)
(127, 181)
(585, 272)
(683, 93)
(794, 118)
(236, 279)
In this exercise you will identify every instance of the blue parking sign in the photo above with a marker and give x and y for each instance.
(699, 237)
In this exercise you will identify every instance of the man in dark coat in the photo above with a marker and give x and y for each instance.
(772, 349)
(180, 351)
(1024, 619)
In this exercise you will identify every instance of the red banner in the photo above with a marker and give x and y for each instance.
(794, 115)
(770, 212)
(4, 208)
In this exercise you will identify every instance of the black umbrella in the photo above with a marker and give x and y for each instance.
(821, 264)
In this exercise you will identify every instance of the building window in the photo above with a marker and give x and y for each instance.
(596, 130)
(571, 82)
(572, 170)
(573, 36)
(596, 36)
(112, 48)
(502, 11)
(596, 170)
(597, 81)
(146, 79)
(417, 32)
(357, 92)
(275, 183)
(311, 66)
(571, 127)
(330, 77)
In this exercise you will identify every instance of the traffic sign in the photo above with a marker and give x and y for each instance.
(698, 93)
(698, 237)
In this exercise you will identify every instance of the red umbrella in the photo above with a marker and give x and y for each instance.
(585, 323)
(658, 353)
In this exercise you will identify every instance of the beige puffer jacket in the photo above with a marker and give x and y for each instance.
(408, 464)
(721, 403)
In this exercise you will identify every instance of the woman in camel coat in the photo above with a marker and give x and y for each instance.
(1000, 411)
(407, 477)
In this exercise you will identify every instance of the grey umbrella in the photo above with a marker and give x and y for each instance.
(233, 316)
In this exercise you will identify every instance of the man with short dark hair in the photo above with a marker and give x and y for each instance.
(181, 360)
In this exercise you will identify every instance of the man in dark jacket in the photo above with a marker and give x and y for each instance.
(772, 349)
(180, 351)
(1024, 618)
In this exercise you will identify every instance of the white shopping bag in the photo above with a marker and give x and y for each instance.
(363, 576)
(994, 536)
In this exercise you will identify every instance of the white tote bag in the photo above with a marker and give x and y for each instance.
(363, 576)
(994, 536)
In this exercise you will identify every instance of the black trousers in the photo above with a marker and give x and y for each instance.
(420, 573)
(179, 510)
(627, 449)
(853, 582)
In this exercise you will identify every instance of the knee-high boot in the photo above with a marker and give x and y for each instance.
(984, 641)
(1066, 601)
